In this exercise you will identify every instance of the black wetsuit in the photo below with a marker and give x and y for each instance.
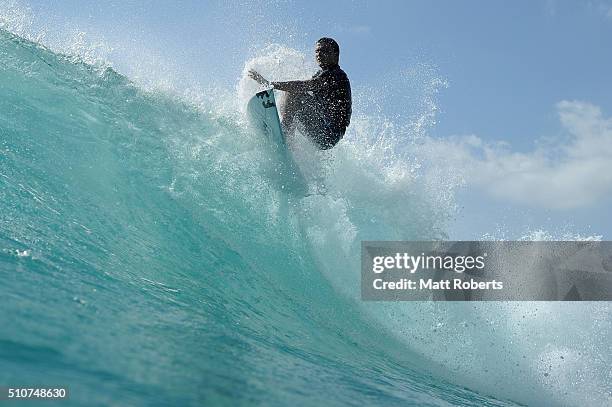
(325, 104)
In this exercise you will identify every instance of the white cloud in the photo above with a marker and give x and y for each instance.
(604, 7)
(572, 173)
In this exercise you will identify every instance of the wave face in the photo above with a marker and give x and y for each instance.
(148, 257)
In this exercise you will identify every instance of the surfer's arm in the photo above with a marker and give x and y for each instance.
(289, 86)
(298, 86)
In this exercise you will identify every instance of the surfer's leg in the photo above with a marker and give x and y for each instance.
(297, 107)
(289, 111)
(316, 125)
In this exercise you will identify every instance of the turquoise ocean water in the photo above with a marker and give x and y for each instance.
(149, 257)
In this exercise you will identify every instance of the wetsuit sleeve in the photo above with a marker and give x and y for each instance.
(300, 86)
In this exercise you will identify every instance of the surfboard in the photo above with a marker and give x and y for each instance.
(263, 116)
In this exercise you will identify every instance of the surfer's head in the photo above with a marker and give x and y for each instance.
(327, 52)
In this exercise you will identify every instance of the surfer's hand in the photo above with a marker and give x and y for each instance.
(258, 78)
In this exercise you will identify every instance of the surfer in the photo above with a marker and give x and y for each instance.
(321, 104)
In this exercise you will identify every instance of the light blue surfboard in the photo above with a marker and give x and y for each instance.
(263, 116)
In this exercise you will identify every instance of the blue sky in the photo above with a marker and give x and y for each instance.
(510, 67)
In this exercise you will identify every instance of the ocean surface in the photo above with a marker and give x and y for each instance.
(148, 256)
